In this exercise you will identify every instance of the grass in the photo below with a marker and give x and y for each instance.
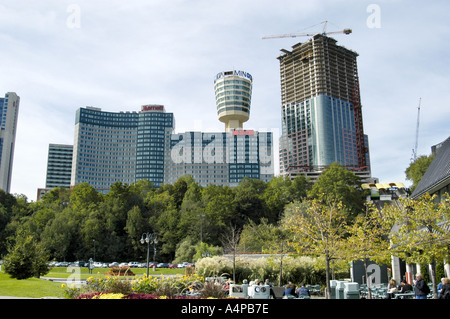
(38, 288)
(61, 272)
(29, 288)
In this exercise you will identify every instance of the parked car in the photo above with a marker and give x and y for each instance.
(134, 264)
(173, 265)
(162, 265)
(62, 264)
(113, 264)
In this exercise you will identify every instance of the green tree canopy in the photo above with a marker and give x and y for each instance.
(416, 169)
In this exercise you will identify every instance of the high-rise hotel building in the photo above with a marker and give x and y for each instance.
(9, 110)
(233, 91)
(321, 110)
(225, 158)
(120, 146)
(221, 158)
(131, 146)
(59, 166)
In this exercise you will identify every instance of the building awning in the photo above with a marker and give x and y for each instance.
(383, 185)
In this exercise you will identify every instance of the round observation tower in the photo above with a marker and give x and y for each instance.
(233, 91)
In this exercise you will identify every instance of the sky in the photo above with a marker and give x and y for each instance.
(117, 55)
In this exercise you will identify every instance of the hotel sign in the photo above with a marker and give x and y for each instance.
(243, 132)
(152, 107)
(241, 74)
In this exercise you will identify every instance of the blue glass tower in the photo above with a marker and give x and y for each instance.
(123, 146)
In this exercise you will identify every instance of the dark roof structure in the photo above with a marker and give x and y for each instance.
(437, 175)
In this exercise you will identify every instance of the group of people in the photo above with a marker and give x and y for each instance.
(298, 292)
(420, 289)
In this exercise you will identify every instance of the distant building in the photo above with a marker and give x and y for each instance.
(233, 91)
(132, 146)
(221, 158)
(321, 110)
(436, 180)
(120, 146)
(59, 166)
(9, 110)
(224, 158)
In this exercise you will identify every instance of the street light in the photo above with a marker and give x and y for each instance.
(201, 227)
(150, 238)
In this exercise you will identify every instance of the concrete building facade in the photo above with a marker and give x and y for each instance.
(233, 90)
(221, 158)
(321, 110)
(120, 146)
(9, 111)
(59, 166)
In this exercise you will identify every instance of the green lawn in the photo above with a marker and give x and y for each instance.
(38, 288)
(62, 272)
(32, 287)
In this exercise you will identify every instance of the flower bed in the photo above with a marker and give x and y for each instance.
(152, 287)
(106, 295)
(120, 271)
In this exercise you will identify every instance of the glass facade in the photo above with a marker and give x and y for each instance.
(221, 158)
(153, 136)
(321, 110)
(123, 146)
(318, 132)
(233, 90)
(59, 166)
(9, 109)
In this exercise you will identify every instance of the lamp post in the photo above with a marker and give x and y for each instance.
(201, 227)
(150, 238)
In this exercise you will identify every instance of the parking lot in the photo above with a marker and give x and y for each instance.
(131, 264)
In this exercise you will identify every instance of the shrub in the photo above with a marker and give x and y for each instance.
(26, 259)
(213, 289)
(110, 284)
(120, 271)
(213, 266)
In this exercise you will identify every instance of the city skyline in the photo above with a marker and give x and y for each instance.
(61, 56)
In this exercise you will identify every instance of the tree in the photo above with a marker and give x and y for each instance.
(248, 201)
(230, 241)
(27, 258)
(318, 230)
(185, 251)
(416, 169)
(337, 184)
(59, 235)
(276, 195)
(368, 239)
(421, 230)
(218, 210)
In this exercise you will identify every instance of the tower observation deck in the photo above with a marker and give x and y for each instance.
(233, 90)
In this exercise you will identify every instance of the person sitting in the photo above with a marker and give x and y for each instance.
(391, 289)
(445, 292)
(303, 292)
(405, 287)
(289, 291)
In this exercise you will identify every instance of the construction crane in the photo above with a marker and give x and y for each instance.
(416, 145)
(295, 35)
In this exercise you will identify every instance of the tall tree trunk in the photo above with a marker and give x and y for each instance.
(327, 273)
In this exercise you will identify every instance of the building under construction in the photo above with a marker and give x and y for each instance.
(321, 110)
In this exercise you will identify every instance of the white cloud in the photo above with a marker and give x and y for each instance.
(129, 53)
